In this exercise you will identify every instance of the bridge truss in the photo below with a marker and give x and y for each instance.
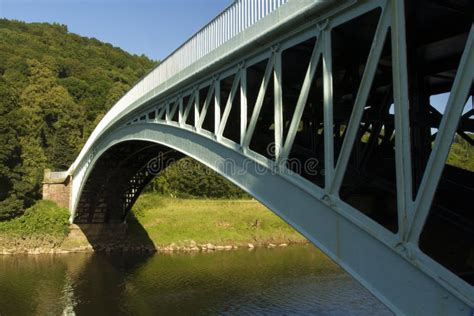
(327, 118)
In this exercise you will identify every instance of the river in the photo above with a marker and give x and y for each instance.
(297, 280)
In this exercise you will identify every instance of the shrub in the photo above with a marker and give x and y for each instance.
(44, 218)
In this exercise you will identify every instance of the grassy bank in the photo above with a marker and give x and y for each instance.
(220, 222)
(161, 222)
(43, 225)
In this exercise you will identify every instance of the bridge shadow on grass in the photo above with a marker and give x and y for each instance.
(115, 237)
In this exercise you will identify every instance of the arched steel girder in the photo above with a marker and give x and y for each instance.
(117, 179)
(390, 264)
(338, 231)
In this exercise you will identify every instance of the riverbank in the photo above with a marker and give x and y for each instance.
(165, 225)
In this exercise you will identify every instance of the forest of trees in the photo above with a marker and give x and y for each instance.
(187, 178)
(55, 86)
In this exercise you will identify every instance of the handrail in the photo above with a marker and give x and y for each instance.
(236, 18)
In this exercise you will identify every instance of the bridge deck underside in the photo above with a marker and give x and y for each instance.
(118, 179)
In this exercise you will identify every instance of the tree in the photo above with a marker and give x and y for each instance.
(54, 88)
(189, 178)
(10, 152)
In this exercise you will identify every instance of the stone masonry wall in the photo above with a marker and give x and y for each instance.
(56, 190)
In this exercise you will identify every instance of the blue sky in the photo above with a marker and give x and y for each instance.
(151, 27)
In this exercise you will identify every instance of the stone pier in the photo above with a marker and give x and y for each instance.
(56, 187)
(105, 233)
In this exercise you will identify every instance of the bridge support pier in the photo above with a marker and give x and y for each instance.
(57, 188)
(98, 234)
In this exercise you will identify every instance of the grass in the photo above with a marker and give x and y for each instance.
(221, 222)
(160, 220)
(461, 153)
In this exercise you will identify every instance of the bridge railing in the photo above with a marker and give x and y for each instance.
(237, 17)
(234, 19)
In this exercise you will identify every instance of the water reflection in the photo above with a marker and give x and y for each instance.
(294, 280)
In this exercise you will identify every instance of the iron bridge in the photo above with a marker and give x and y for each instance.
(325, 112)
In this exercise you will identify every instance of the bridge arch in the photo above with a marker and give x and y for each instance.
(338, 234)
(169, 109)
(148, 148)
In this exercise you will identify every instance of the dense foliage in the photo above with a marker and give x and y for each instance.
(55, 86)
(44, 219)
(189, 178)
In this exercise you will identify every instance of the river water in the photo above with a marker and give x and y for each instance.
(297, 280)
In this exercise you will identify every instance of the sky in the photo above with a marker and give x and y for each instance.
(151, 27)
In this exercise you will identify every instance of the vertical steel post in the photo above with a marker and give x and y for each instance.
(328, 110)
(278, 103)
(402, 131)
(243, 104)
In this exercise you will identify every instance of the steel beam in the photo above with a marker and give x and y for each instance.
(384, 269)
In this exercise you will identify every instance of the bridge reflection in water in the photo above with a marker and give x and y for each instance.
(340, 89)
(297, 279)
